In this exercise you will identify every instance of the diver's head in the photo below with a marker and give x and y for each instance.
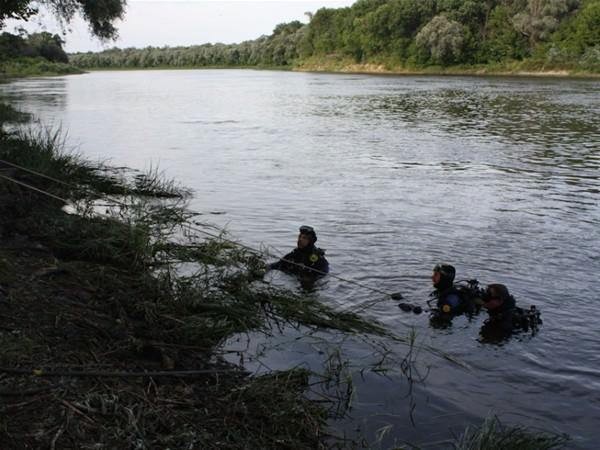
(443, 276)
(495, 295)
(307, 237)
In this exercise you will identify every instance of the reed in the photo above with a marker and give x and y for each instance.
(492, 434)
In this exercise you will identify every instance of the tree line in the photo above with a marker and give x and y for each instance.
(396, 33)
(406, 33)
(280, 49)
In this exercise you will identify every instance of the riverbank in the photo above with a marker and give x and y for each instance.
(335, 64)
(105, 342)
(348, 67)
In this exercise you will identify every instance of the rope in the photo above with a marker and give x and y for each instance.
(48, 177)
(33, 188)
(266, 253)
(191, 227)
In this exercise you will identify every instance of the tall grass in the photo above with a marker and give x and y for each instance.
(493, 435)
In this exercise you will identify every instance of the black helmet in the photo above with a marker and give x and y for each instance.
(496, 290)
(309, 231)
(446, 270)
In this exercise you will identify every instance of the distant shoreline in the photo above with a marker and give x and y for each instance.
(374, 69)
(381, 69)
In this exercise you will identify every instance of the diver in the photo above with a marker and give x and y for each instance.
(305, 259)
(452, 299)
(500, 306)
(447, 301)
(505, 317)
(446, 295)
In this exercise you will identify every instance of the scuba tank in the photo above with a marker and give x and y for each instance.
(526, 319)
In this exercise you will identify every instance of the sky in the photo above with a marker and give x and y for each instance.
(184, 22)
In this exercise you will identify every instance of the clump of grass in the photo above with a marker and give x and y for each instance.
(153, 183)
(222, 292)
(43, 151)
(272, 400)
(494, 435)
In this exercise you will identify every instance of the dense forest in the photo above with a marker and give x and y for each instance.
(396, 34)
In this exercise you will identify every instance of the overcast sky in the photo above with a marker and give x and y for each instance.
(186, 22)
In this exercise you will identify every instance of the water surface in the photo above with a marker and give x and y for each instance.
(498, 176)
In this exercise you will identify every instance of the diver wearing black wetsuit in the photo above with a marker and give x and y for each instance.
(501, 307)
(305, 259)
(447, 296)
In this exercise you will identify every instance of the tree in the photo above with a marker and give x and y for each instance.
(48, 46)
(100, 14)
(442, 40)
(542, 17)
(583, 32)
(16, 9)
(502, 40)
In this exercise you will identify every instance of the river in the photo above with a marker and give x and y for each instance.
(498, 176)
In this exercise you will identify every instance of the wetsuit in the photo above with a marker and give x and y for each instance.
(449, 301)
(502, 317)
(310, 260)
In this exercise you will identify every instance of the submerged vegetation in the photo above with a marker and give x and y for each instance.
(403, 36)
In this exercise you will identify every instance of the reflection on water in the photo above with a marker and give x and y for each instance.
(497, 176)
(49, 93)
